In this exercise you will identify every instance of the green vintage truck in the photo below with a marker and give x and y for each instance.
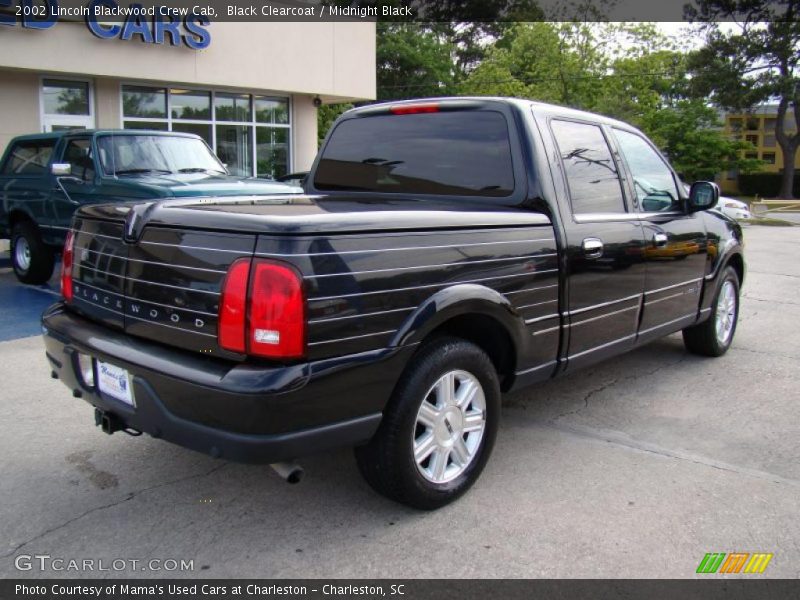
(45, 177)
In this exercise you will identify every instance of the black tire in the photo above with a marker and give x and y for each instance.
(703, 339)
(387, 462)
(39, 267)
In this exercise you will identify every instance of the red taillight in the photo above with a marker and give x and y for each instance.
(413, 109)
(277, 311)
(66, 266)
(233, 307)
(262, 310)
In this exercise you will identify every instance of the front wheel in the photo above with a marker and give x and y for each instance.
(32, 259)
(438, 429)
(714, 336)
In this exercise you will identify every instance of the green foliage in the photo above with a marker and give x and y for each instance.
(571, 64)
(688, 132)
(629, 71)
(549, 62)
(412, 61)
(757, 62)
(326, 115)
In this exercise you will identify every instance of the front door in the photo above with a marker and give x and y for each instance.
(78, 188)
(675, 242)
(605, 271)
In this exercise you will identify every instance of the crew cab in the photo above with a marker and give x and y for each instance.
(445, 251)
(45, 177)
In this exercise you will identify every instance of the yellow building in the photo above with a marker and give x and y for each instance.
(758, 128)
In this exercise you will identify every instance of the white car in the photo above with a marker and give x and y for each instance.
(735, 209)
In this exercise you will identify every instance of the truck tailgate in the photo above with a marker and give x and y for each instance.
(164, 287)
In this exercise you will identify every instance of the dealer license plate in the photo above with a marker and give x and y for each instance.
(114, 381)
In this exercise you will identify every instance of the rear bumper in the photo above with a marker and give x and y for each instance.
(246, 412)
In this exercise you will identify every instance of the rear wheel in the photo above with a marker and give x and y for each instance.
(438, 429)
(714, 336)
(32, 259)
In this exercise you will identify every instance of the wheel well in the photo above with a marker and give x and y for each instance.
(737, 263)
(489, 335)
(17, 216)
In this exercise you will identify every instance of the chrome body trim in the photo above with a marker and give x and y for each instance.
(378, 250)
(544, 318)
(361, 315)
(674, 285)
(604, 315)
(352, 337)
(550, 364)
(433, 285)
(602, 346)
(667, 323)
(602, 304)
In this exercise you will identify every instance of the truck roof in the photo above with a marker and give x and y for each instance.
(93, 132)
(518, 102)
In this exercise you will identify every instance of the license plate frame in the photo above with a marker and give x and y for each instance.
(115, 381)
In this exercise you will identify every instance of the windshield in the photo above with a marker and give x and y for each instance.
(132, 154)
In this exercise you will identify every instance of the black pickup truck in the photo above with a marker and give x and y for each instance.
(445, 251)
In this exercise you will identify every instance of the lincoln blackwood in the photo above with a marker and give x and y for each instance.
(444, 251)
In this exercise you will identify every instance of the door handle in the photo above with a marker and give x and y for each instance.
(592, 248)
(659, 240)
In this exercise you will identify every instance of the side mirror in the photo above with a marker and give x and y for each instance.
(703, 195)
(61, 169)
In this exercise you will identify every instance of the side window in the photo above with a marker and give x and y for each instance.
(78, 153)
(29, 157)
(592, 176)
(652, 179)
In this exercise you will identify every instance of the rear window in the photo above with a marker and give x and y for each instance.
(29, 157)
(463, 153)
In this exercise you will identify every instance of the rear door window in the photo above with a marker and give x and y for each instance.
(592, 176)
(29, 157)
(460, 153)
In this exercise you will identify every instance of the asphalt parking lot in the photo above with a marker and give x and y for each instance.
(633, 468)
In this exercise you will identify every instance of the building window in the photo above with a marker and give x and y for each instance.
(768, 157)
(752, 123)
(769, 141)
(249, 133)
(753, 139)
(735, 124)
(732, 174)
(66, 104)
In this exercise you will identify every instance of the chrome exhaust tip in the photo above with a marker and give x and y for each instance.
(290, 472)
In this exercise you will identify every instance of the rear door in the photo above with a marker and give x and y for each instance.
(604, 244)
(675, 242)
(26, 183)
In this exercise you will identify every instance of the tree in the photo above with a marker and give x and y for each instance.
(755, 63)
(412, 61)
(326, 115)
(642, 82)
(688, 132)
(551, 62)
